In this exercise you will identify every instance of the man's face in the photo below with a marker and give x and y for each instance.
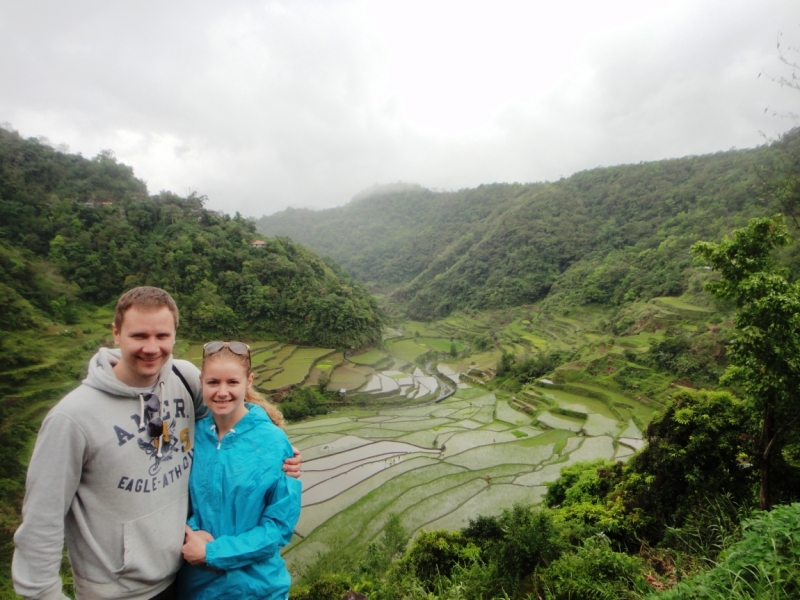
(146, 339)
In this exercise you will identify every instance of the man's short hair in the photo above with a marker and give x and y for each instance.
(144, 298)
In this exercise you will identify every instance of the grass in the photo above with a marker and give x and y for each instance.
(481, 435)
(369, 358)
(673, 302)
(440, 344)
(511, 415)
(593, 448)
(449, 489)
(499, 454)
(405, 349)
(489, 502)
(438, 505)
(296, 368)
(349, 378)
(416, 327)
(429, 501)
(361, 503)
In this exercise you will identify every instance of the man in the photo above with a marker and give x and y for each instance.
(111, 464)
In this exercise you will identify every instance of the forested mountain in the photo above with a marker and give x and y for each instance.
(607, 235)
(78, 232)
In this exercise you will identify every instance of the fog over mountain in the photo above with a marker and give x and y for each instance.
(267, 104)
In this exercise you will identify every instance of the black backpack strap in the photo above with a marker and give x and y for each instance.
(183, 380)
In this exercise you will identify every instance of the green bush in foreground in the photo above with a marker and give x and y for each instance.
(764, 564)
(594, 571)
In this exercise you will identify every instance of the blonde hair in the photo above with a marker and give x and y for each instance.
(251, 395)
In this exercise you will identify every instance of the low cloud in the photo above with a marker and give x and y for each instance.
(263, 105)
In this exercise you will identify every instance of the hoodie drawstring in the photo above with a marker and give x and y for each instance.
(163, 424)
(141, 412)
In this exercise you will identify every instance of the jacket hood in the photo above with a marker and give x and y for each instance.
(101, 374)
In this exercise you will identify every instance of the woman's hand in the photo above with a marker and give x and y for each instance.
(205, 535)
(292, 465)
(194, 546)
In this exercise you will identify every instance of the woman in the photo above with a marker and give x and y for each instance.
(244, 508)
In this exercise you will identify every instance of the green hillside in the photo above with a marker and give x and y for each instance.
(93, 224)
(608, 235)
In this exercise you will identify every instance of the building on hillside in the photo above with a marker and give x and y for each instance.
(259, 244)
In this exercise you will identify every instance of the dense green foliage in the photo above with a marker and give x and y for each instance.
(531, 368)
(765, 350)
(302, 402)
(765, 563)
(609, 236)
(700, 447)
(95, 224)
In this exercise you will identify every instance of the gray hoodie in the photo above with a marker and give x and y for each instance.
(98, 480)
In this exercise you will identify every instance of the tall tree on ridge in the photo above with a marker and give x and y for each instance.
(765, 350)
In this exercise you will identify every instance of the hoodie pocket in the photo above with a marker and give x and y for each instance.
(152, 544)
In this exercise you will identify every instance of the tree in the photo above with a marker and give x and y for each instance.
(765, 349)
(697, 449)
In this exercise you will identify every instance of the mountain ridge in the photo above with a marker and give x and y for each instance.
(596, 236)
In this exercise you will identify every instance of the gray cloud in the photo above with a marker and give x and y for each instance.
(261, 105)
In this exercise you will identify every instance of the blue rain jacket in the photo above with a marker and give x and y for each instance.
(240, 495)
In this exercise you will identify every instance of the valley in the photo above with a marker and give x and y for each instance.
(421, 429)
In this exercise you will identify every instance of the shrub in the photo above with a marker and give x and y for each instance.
(584, 482)
(593, 572)
(327, 587)
(696, 449)
(764, 564)
(434, 554)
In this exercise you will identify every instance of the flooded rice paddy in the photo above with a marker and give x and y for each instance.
(439, 464)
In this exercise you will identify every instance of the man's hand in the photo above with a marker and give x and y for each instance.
(292, 465)
(194, 546)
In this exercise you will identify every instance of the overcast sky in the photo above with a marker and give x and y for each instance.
(262, 105)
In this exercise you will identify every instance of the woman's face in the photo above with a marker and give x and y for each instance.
(225, 382)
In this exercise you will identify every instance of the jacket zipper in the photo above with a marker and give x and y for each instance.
(219, 442)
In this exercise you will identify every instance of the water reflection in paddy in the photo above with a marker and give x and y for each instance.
(361, 453)
(561, 421)
(580, 403)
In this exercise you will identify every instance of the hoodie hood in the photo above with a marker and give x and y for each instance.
(101, 375)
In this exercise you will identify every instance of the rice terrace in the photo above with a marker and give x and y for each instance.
(421, 434)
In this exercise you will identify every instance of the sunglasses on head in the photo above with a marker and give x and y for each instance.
(239, 348)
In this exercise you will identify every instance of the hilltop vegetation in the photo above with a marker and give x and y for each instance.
(91, 223)
(605, 236)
